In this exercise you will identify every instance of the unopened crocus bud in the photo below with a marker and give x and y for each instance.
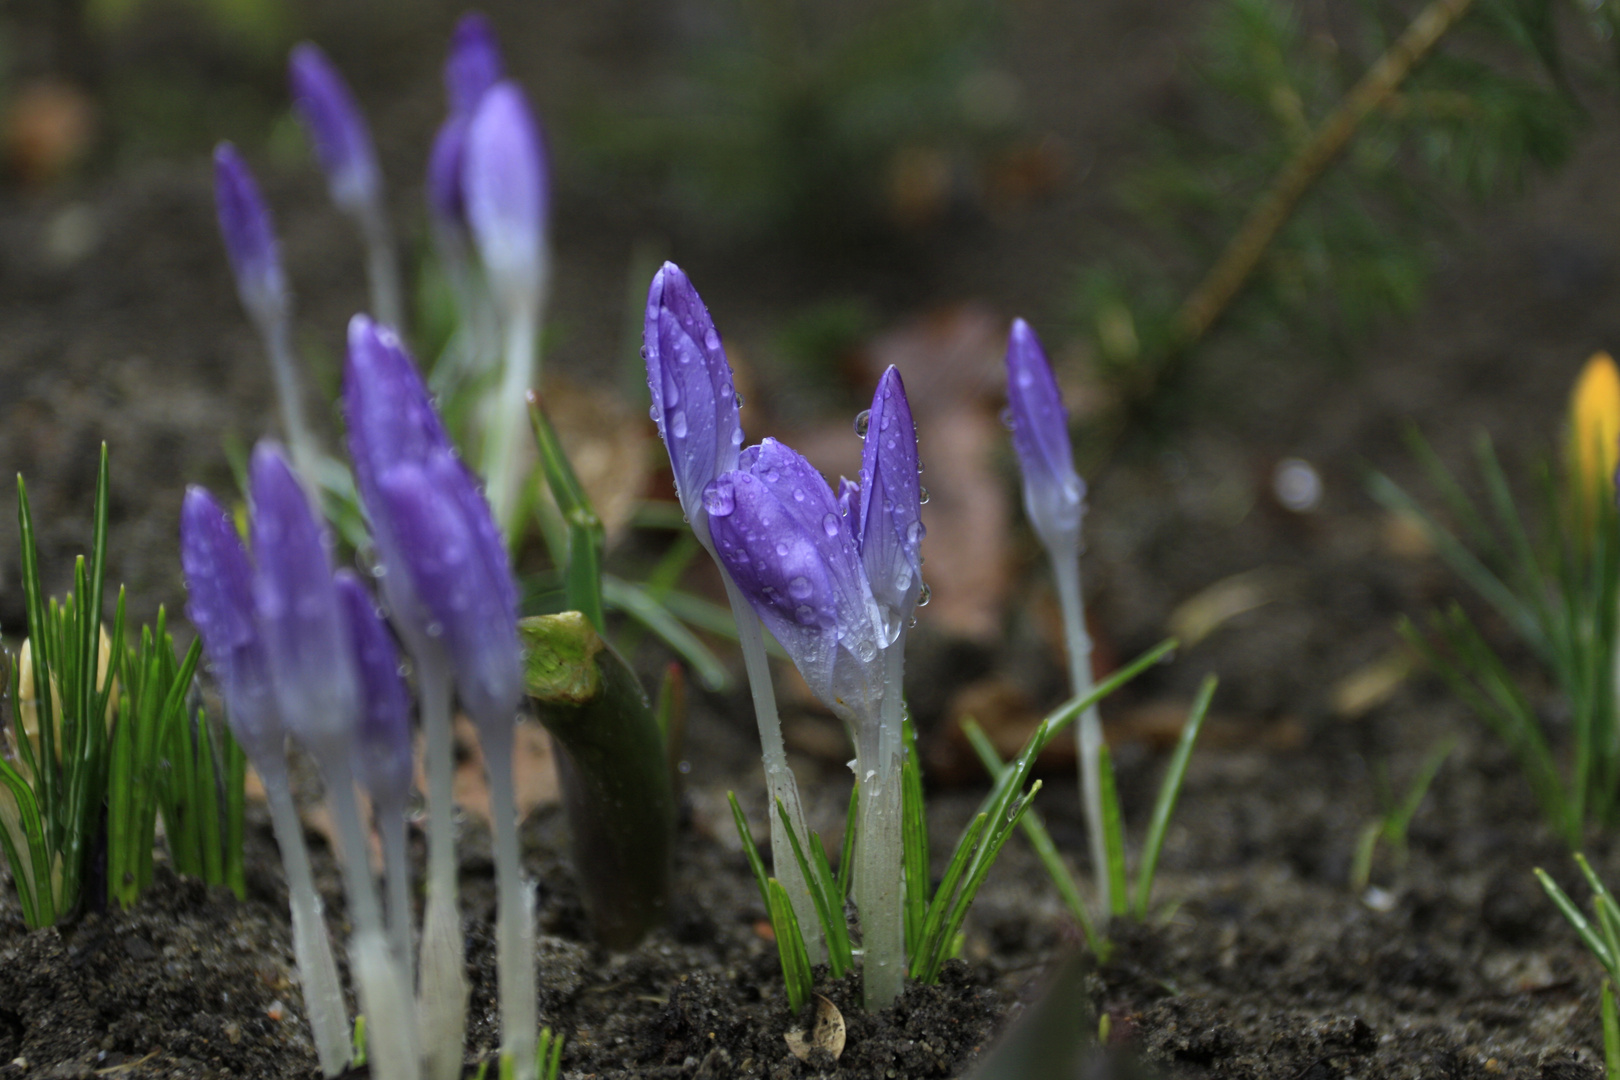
(220, 604)
(1595, 424)
(890, 522)
(383, 746)
(507, 193)
(474, 64)
(250, 239)
(305, 633)
(1054, 495)
(694, 399)
(332, 117)
(777, 529)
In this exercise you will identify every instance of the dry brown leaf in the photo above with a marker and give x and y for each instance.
(1370, 685)
(826, 1033)
(48, 128)
(1202, 613)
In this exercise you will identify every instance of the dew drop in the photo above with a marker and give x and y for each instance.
(805, 614)
(737, 398)
(914, 533)
(652, 414)
(902, 580)
(1007, 418)
(912, 622)
(862, 420)
(435, 629)
(865, 650)
(888, 418)
(830, 524)
(719, 500)
(677, 423)
(799, 587)
(798, 495)
(922, 496)
(924, 595)
(711, 341)
(781, 550)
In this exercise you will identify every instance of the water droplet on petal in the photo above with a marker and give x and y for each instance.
(830, 524)
(912, 622)
(798, 494)
(677, 423)
(866, 650)
(924, 595)
(652, 414)
(736, 436)
(711, 341)
(737, 398)
(799, 588)
(719, 499)
(1007, 418)
(805, 614)
(862, 419)
(902, 579)
(914, 533)
(781, 550)
(922, 496)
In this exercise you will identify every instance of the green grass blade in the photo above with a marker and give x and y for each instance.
(1169, 791)
(831, 917)
(755, 863)
(846, 853)
(583, 574)
(1582, 927)
(939, 906)
(649, 611)
(1611, 1034)
(790, 947)
(914, 839)
(1113, 833)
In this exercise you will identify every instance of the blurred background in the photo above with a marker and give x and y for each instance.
(857, 184)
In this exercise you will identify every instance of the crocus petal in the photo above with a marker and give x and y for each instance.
(445, 197)
(474, 64)
(777, 529)
(693, 397)
(386, 405)
(506, 191)
(332, 118)
(383, 747)
(890, 522)
(305, 634)
(472, 603)
(219, 602)
(250, 239)
(1054, 495)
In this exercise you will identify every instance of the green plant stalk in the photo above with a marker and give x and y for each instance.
(614, 772)
(442, 970)
(520, 371)
(514, 919)
(779, 781)
(382, 266)
(1611, 1033)
(1088, 734)
(582, 569)
(390, 820)
(306, 454)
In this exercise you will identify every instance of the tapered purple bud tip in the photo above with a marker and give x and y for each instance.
(1054, 495)
(694, 400)
(250, 239)
(336, 127)
(474, 64)
(445, 197)
(890, 520)
(507, 191)
(383, 746)
(305, 635)
(220, 604)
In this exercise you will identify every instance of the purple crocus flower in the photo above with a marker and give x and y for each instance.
(694, 400)
(305, 632)
(383, 748)
(219, 602)
(332, 117)
(474, 64)
(506, 191)
(250, 239)
(1054, 495)
(890, 520)
(776, 528)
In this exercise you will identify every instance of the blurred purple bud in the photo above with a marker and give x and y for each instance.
(693, 398)
(219, 602)
(777, 529)
(444, 191)
(332, 118)
(890, 522)
(1054, 495)
(386, 406)
(305, 635)
(250, 239)
(447, 545)
(382, 750)
(474, 64)
(507, 192)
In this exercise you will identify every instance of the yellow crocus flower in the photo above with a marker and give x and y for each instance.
(1595, 424)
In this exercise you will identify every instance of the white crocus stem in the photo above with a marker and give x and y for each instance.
(514, 919)
(277, 334)
(879, 887)
(779, 781)
(382, 267)
(1088, 732)
(441, 964)
(397, 876)
(390, 1023)
(505, 414)
(312, 948)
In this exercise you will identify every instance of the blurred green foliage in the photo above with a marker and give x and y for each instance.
(1489, 107)
(819, 122)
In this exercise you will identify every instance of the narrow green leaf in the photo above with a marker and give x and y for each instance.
(642, 606)
(846, 854)
(1169, 791)
(755, 863)
(1611, 1034)
(583, 575)
(790, 948)
(1113, 833)
(1578, 921)
(831, 917)
(914, 839)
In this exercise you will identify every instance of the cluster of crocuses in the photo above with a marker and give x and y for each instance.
(300, 651)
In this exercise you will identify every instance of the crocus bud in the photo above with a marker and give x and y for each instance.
(507, 193)
(220, 604)
(777, 529)
(890, 522)
(444, 192)
(1595, 424)
(474, 64)
(1054, 495)
(693, 398)
(332, 117)
(250, 239)
(305, 633)
(382, 751)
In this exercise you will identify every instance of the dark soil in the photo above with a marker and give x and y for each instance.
(117, 322)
